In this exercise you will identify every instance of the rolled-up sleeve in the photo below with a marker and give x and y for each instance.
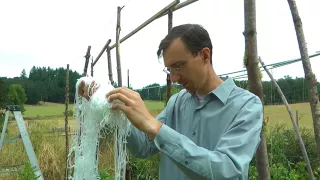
(233, 152)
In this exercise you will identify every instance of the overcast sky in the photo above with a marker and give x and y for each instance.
(55, 33)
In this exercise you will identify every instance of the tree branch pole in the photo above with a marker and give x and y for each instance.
(154, 17)
(169, 87)
(102, 51)
(309, 75)
(66, 119)
(87, 56)
(303, 149)
(254, 81)
(128, 79)
(91, 67)
(125, 171)
(110, 66)
(118, 29)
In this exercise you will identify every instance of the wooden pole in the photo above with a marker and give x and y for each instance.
(125, 170)
(303, 149)
(310, 77)
(92, 67)
(297, 118)
(128, 79)
(87, 56)
(169, 88)
(154, 17)
(101, 52)
(118, 29)
(110, 65)
(66, 118)
(254, 81)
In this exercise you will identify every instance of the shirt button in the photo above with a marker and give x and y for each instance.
(186, 162)
(194, 133)
(161, 146)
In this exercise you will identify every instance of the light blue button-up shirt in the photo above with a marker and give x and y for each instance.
(213, 139)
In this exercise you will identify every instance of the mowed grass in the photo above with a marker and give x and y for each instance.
(46, 109)
(279, 114)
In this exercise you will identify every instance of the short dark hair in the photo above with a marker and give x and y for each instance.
(194, 36)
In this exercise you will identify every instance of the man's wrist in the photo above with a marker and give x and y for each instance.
(153, 128)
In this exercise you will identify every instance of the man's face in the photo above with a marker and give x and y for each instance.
(186, 69)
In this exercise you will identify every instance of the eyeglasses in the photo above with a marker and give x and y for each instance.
(173, 70)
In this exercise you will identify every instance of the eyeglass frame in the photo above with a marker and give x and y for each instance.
(167, 70)
(176, 69)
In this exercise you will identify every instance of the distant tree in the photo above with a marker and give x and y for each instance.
(115, 84)
(23, 74)
(17, 96)
(2, 95)
(174, 90)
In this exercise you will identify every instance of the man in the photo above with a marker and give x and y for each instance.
(209, 130)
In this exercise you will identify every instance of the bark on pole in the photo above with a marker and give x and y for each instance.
(126, 169)
(66, 119)
(87, 56)
(309, 76)
(128, 79)
(92, 67)
(110, 65)
(303, 148)
(169, 88)
(118, 29)
(254, 81)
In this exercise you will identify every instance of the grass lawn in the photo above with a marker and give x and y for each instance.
(46, 109)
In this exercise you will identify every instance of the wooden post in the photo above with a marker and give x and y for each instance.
(118, 29)
(302, 147)
(87, 56)
(297, 118)
(128, 79)
(169, 88)
(254, 81)
(125, 170)
(92, 67)
(66, 118)
(310, 77)
(110, 65)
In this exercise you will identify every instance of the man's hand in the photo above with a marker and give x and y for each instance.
(84, 90)
(135, 110)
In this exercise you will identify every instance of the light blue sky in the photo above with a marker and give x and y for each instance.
(54, 33)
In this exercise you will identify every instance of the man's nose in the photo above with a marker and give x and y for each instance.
(174, 77)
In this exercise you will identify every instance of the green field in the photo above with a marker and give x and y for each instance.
(275, 113)
(50, 147)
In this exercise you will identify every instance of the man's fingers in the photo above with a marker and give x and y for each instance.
(123, 90)
(121, 97)
(121, 107)
(80, 88)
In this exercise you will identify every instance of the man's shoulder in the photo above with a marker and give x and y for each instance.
(243, 97)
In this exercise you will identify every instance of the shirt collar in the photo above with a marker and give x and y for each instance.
(223, 91)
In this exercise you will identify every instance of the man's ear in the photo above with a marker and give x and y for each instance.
(205, 55)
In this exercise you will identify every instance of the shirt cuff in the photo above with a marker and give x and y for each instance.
(168, 140)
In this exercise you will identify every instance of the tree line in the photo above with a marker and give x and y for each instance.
(45, 84)
(294, 89)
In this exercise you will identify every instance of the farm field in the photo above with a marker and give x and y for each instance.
(50, 146)
(275, 113)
